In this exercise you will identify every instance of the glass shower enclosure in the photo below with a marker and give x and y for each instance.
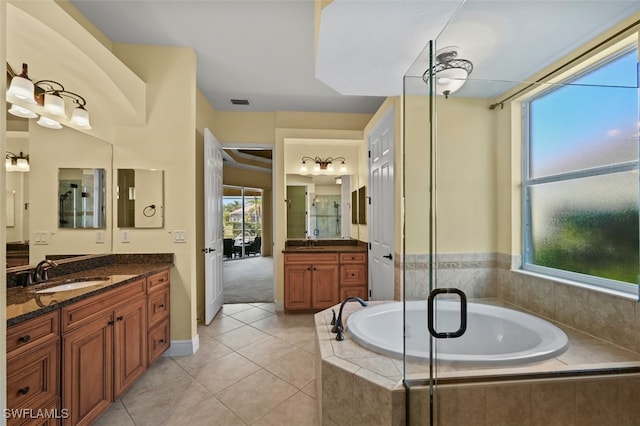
(484, 219)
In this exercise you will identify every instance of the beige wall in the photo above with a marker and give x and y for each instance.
(3, 246)
(166, 142)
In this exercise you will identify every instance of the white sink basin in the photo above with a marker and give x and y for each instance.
(75, 285)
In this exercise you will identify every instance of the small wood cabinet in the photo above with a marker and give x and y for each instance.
(33, 367)
(157, 315)
(315, 281)
(311, 281)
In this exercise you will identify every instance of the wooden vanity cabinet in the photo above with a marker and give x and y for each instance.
(103, 349)
(311, 281)
(33, 367)
(158, 291)
(353, 275)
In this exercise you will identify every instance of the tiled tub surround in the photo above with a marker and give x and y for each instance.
(593, 383)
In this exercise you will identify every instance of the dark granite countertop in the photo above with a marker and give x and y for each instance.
(326, 249)
(24, 303)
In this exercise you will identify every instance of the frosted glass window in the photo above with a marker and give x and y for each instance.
(581, 180)
(588, 226)
(586, 123)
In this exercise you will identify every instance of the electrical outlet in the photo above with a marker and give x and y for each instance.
(124, 236)
(99, 237)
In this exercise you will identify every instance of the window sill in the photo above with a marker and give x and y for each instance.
(607, 291)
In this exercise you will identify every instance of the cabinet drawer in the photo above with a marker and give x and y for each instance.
(29, 334)
(33, 378)
(55, 415)
(158, 340)
(84, 311)
(353, 274)
(353, 257)
(358, 291)
(161, 278)
(311, 258)
(157, 305)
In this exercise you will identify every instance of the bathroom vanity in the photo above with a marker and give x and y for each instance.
(76, 351)
(321, 274)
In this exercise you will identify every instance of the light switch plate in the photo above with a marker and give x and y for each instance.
(100, 237)
(124, 236)
(41, 238)
(179, 236)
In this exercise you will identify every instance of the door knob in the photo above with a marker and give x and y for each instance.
(388, 256)
(208, 250)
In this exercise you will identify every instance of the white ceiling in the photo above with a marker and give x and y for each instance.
(262, 50)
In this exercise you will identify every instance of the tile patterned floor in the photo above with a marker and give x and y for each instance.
(254, 367)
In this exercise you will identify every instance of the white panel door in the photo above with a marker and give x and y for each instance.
(213, 290)
(381, 209)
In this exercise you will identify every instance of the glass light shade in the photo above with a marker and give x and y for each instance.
(303, 167)
(343, 167)
(22, 88)
(49, 123)
(80, 117)
(22, 165)
(54, 104)
(9, 165)
(19, 111)
(316, 167)
(450, 80)
(330, 167)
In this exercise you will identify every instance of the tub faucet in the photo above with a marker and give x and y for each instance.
(338, 328)
(40, 273)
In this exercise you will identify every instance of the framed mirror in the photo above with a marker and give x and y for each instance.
(140, 195)
(81, 198)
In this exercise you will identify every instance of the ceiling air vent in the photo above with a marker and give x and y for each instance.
(240, 101)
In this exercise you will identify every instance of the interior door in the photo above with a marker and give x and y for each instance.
(381, 233)
(213, 252)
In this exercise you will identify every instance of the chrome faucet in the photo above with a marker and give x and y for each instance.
(40, 274)
(338, 328)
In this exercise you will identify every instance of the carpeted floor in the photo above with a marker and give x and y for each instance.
(248, 280)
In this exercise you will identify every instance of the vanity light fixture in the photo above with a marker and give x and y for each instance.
(16, 163)
(46, 97)
(449, 72)
(320, 164)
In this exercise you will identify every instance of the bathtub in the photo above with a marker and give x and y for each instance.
(494, 335)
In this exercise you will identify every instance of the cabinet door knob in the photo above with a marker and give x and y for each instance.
(24, 339)
(24, 390)
(120, 318)
(161, 306)
(308, 269)
(161, 340)
(111, 322)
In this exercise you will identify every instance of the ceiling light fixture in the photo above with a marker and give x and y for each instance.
(449, 73)
(16, 163)
(46, 97)
(320, 164)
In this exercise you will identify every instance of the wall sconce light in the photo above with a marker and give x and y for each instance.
(449, 73)
(44, 96)
(16, 163)
(323, 164)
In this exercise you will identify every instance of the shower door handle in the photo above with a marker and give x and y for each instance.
(432, 311)
(388, 256)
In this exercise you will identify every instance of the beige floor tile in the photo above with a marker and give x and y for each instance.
(255, 395)
(310, 389)
(296, 368)
(234, 308)
(210, 350)
(269, 307)
(241, 337)
(277, 322)
(208, 413)
(299, 410)
(251, 315)
(220, 325)
(266, 351)
(115, 415)
(225, 371)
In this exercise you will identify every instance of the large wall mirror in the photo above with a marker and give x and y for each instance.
(140, 195)
(318, 197)
(81, 195)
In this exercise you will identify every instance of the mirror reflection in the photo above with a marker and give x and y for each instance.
(140, 198)
(81, 195)
(316, 206)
